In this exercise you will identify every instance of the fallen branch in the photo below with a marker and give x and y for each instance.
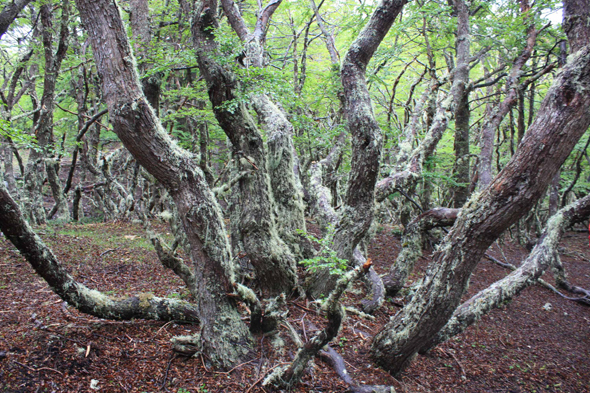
(86, 300)
(334, 359)
(291, 375)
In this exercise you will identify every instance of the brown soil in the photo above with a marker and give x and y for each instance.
(46, 346)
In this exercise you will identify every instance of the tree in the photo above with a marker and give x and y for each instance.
(562, 119)
(224, 337)
(264, 160)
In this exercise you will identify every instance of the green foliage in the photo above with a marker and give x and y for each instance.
(326, 257)
(21, 139)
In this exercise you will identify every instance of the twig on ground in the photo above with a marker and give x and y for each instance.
(236, 367)
(301, 307)
(108, 251)
(38, 369)
(163, 327)
(167, 369)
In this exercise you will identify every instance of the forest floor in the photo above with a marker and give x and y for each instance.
(539, 342)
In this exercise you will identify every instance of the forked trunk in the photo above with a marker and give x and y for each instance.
(225, 339)
(563, 118)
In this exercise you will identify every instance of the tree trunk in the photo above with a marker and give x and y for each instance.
(527, 274)
(412, 245)
(357, 212)
(462, 111)
(10, 12)
(44, 130)
(89, 301)
(286, 188)
(268, 253)
(561, 121)
(225, 339)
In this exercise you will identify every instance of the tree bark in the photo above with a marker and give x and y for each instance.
(89, 301)
(412, 245)
(285, 187)
(224, 337)
(562, 119)
(268, 253)
(44, 129)
(10, 12)
(532, 268)
(141, 34)
(357, 212)
(461, 99)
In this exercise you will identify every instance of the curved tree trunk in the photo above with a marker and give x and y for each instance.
(225, 339)
(357, 212)
(563, 118)
(89, 301)
(270, 256)
(527, 274)
(493, 122)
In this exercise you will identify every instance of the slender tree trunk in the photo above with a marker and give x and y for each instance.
(561, 121)
(462, 111)
(8, 167)
(142, 36)
(224, 338)
(412, 245)
(44, 130)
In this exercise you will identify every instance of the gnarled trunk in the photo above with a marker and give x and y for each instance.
(562, 119)
(357, 213)
(225, 339)
(272, 260)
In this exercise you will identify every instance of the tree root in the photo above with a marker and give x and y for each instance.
(336, 361)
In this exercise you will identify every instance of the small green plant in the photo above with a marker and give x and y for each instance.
(343, 341)
(326, 257)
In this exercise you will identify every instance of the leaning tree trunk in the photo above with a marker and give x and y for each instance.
(528, 273)
(563, 118)
(225, 339)
(10, 12)
(357, 213)
(90, 301)
(496, 117)
(272, 260)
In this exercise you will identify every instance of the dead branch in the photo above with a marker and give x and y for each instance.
(290, 375)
